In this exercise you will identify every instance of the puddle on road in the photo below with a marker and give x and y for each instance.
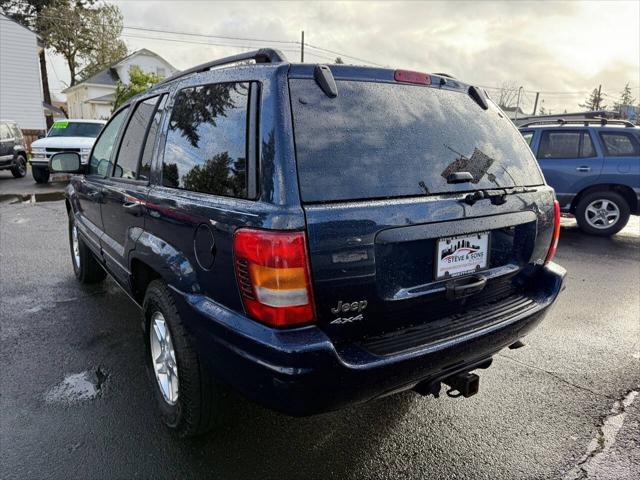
(12, 198)
(77, 387)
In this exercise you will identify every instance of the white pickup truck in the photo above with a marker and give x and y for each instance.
(67, 135)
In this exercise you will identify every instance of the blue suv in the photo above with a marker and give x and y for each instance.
(594, 167)
(314, 236)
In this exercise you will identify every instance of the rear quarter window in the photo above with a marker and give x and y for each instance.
(619, 144)
(206, 143)
(381, 140)
(528, 136)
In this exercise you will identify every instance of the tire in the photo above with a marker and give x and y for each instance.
(85, 266)
(20, 170)
(200, 401)
(40, 174)
(603, 213)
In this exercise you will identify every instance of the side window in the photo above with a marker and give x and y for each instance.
(559, 144)
(586, 147)
(4, 132)
(528, 137)
(619, 144)
(15, 131)
(133, 139)
(100, 161)
(206, 145)
(145, 163)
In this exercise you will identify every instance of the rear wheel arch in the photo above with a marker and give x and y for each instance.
(626, 192)
(168, 263)
(142, 274)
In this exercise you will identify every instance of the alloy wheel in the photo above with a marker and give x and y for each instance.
(75, 245)
(602, 214)
(163, 358)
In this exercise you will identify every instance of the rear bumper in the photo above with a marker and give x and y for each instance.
(301, 372)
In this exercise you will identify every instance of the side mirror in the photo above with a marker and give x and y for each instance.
(65, 162)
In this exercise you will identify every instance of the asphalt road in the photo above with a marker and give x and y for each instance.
(565, 406)
(11, 187)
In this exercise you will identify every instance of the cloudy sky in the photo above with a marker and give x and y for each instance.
(561, 49)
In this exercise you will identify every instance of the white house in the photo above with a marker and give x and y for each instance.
(94, 97)
(20, 84)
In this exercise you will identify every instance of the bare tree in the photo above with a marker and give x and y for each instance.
(508, 94)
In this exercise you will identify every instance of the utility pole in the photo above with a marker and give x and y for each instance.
(302, 48)
(518, 103)
(597, 106)
(535, 104)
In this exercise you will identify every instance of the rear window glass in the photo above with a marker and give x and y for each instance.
(378, 140)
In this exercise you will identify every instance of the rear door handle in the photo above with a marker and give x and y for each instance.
(133, 208)
(583, 169)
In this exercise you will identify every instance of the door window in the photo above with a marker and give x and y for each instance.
(133, 139)
(100, 161)
(619, 144)
(559, 145)
(586, 146)
(206, 145)
(147, 153)
(17, 133)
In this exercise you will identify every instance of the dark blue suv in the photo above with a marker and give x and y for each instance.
(594, 167)
(314, 236)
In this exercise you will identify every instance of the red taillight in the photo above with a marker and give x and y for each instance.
(272, 269)
(408, 76)
(556, 232)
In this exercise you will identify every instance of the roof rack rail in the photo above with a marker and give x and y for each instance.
(585, 121)
(264, 55)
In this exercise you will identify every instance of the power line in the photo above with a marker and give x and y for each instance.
(193, 42)
(222, 37)
(233, 38)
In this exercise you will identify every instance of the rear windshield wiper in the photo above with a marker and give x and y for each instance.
(459, 177)
(497, 197)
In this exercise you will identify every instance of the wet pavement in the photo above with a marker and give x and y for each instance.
(14, 190)
(75, 400)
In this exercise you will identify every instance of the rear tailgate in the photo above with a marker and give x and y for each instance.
(373, 165)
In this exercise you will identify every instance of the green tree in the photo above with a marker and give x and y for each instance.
(139, 81)
(64, 28)
(220, 174)
(105, 23)
(594, 101)
(198, 105)
(83, 33)
(626, 98)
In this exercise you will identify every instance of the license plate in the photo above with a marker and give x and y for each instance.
(462, 254)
